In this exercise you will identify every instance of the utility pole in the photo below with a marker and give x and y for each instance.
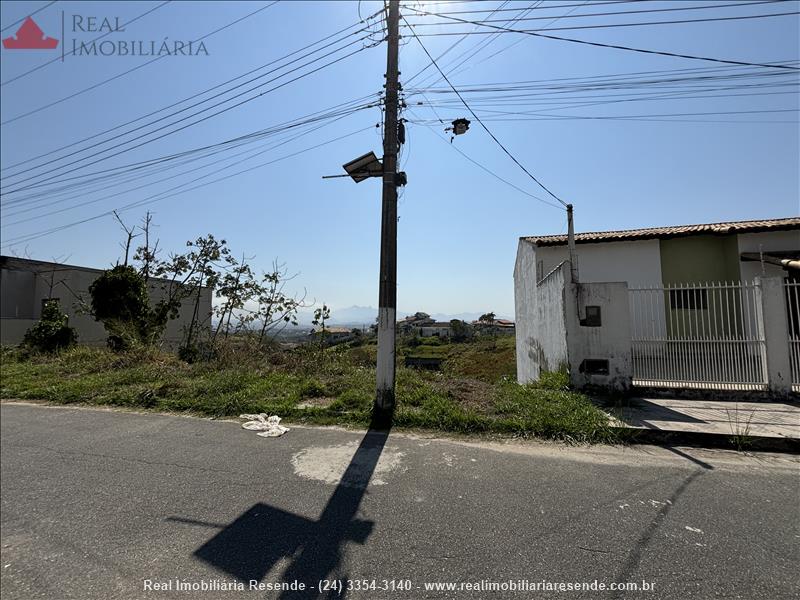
(387, 296)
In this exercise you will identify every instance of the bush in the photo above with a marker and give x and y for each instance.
(51, 333)
(120, 302)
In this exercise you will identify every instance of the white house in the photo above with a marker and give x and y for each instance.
(645, 297)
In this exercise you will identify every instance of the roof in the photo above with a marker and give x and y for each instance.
(670, 232)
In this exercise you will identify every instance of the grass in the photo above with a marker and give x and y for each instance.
(335, 387)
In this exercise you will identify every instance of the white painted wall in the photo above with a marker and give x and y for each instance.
(764, 242)
(524, 288)
(611, 341)
(638, 263)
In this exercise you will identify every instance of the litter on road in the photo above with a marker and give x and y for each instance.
(266, 426)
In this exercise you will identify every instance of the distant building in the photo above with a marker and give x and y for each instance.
(434, 329)
(498, 327)
(414, 322)
(334, 335)
(26, 284)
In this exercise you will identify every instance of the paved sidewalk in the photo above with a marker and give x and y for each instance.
(762, 419)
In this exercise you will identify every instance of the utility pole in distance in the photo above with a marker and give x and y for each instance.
(387, 296)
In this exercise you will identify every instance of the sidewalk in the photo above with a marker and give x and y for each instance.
(709, 419)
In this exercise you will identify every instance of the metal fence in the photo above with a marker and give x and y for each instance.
(707, 336)
(792, 288)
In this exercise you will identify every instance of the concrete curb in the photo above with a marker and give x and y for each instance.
(660, 437)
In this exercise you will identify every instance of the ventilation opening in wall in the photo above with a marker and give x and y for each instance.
(592, 317)
(594, 366)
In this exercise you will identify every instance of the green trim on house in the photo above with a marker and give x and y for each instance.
(699, 259)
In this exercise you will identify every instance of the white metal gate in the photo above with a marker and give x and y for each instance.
(707, 336)
(792, 288)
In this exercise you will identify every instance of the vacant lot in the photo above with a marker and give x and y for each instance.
(473, 393)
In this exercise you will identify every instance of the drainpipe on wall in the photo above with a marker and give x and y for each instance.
(573, 260)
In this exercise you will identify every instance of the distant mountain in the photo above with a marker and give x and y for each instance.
(359, 315)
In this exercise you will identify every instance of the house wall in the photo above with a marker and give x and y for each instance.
(611, 341)
(541, 340)
(25, 284)
(434, 331)
(637, 262)
(764, 242)
(699, 258)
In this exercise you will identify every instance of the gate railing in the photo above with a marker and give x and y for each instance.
(698, 335)
(792, 288)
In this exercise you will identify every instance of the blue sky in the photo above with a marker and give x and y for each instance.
(458, 226)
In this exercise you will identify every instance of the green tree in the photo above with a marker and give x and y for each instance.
(459, 330)
(321, 316)
(119, 300)
(52, 332)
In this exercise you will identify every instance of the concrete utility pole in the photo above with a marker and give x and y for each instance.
(387, 298)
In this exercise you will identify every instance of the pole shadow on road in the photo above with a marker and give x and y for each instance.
(252, 544)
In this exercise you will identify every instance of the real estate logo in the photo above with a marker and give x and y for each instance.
(30, 37)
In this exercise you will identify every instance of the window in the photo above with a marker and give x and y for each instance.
(592, 317)
(688, 299)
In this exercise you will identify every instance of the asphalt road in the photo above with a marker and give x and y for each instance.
(96, 504)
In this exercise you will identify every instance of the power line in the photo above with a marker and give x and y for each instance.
(197, 94)
(615, 46)
(253, 154)
(489, 171)
(251, 98)
(151, 199)
(38, 10)
(601, 14)
(608, 25)
(131, 70)
(511, 156)
(136, 168)
(548, 7)
(50, 62)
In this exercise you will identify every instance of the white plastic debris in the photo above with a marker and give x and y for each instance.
(266, 426)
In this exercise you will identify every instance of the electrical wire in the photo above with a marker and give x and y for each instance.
(140, 170)
(158, 197)
(163, 135)
(50, 62)
(605, 14)
(486, 169)
(511, 156)
(38, 10)
(197, 94)
(132, 69)
(610, 25)
(614, 46)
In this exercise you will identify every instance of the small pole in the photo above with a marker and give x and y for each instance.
(573, 258)
(387, 295)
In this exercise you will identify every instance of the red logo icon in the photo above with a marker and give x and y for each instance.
(29, 37)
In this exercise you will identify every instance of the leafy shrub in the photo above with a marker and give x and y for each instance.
(51, 333)
(120, 302)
